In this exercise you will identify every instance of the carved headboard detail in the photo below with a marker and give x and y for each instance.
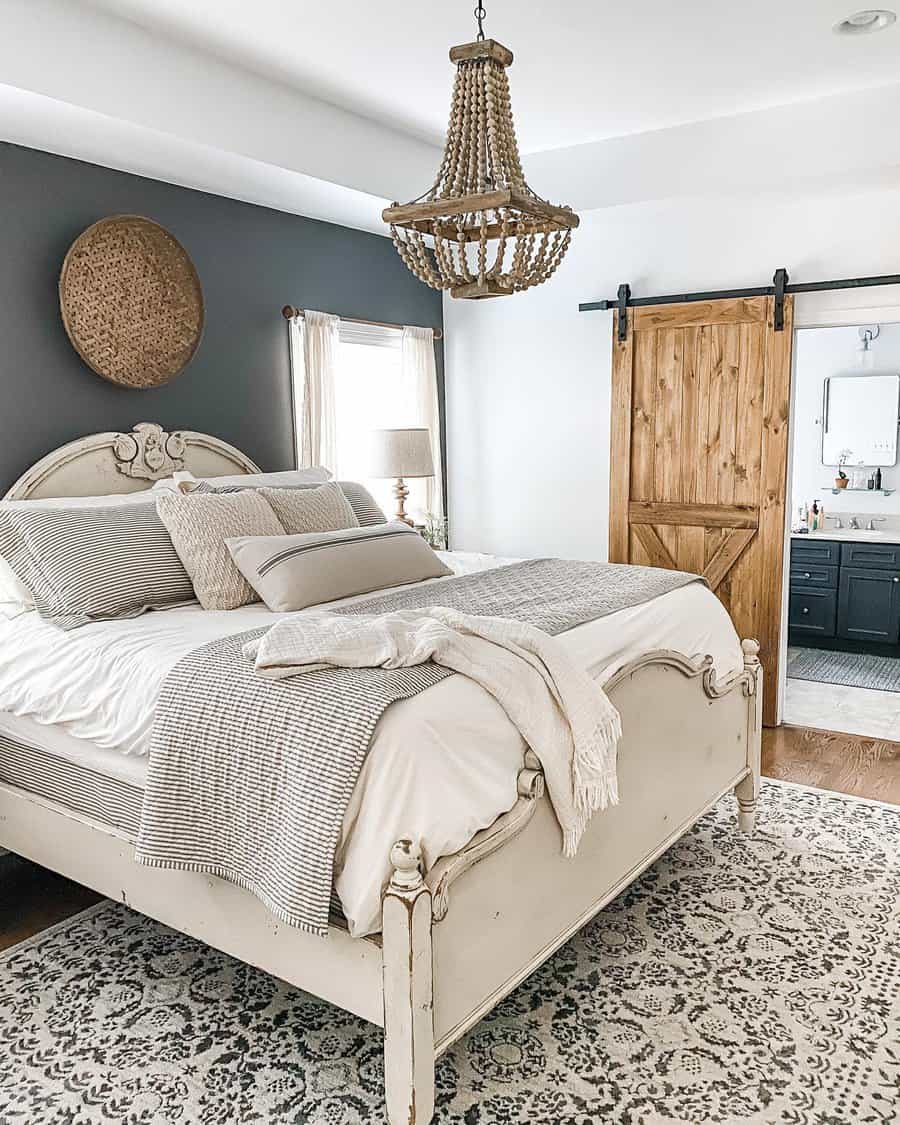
(102, 464)
(148, 452)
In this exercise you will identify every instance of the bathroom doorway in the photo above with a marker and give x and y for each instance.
(842, 666)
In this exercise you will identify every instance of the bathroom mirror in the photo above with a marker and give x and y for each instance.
(860, 414)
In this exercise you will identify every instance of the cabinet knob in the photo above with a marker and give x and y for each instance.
(897, 578)
(806, 609)
(807, 575)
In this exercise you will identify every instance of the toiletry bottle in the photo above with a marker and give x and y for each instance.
(870, 483)
(878, 479)
(814, 516)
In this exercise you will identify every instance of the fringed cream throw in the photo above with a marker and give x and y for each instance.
(560, 712)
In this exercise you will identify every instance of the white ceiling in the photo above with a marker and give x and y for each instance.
(585, 70)
(327, 110)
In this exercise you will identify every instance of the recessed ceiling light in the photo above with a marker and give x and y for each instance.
(865, 22)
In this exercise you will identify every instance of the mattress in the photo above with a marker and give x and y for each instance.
(47, 761)
(441, 766)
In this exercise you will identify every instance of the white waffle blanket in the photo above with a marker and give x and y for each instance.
(563, 715)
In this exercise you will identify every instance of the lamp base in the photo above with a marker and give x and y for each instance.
(401, 492)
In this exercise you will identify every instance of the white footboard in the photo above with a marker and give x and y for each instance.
(454, 945)
(503, 904)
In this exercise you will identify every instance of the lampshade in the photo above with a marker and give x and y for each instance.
(401, 453)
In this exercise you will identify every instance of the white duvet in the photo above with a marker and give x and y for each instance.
(442, 765)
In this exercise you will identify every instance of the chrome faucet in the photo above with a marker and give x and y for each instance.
(870, 526)
(837, 522)
(854, 523)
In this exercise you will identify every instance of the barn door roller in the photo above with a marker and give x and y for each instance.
(622, 298)
(779, 289)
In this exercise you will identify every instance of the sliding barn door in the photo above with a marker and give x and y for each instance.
(700, 401)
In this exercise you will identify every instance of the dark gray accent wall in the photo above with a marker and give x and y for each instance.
(251, 262)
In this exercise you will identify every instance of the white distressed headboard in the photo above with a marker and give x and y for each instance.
(102, 464)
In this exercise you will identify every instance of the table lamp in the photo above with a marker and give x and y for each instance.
(400, 454)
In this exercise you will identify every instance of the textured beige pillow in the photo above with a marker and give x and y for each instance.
(296, 571)
(199, 523)
(311, 509)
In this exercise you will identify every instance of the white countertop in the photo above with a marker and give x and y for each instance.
(848, 535)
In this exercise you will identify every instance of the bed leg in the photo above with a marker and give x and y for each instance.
(747, 790)
(407, 968)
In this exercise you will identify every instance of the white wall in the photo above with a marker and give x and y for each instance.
(528, 376)
(820, 353)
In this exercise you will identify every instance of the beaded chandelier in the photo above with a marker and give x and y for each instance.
(480, 231)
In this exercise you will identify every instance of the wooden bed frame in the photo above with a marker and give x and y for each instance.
(457, 940)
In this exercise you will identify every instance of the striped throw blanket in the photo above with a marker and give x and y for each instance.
(249, 778)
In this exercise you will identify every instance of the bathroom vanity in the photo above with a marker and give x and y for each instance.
(845, 587)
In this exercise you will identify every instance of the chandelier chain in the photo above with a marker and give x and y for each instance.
(480, 13)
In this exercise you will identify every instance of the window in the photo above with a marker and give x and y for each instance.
(369, 393)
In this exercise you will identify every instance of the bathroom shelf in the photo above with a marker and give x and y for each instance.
(878, 491)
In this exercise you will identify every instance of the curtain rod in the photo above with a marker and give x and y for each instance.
(290, 311)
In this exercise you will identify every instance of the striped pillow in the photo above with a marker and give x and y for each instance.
(90, 564)
(292, 572)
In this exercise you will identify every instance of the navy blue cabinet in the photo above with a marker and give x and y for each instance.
(845, 592)
(869, 605)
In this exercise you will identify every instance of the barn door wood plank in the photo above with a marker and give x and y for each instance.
(731, 369)
(709, 492)
(668, 476)
(690, 415)
(730, 550)
(748, 451)
(655, 549)
(776, 409)
(721, 311)
(705, 515)
(690, 549)
(620, 446)
(643, 412)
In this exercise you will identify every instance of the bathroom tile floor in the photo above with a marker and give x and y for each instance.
(851, 710)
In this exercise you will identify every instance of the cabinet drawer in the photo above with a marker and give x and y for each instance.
(812, 610)
(815, 551)
(811, 574)
(871, 555)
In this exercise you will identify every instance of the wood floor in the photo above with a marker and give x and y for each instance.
(32, 898)
(826, 759)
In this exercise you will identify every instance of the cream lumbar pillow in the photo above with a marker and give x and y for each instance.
(300, 511)
(199, 524)
(293, 572)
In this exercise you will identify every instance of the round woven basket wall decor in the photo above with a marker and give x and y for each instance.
(131, 301)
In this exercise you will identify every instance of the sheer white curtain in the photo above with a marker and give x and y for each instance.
(316, 338)
(420, 389)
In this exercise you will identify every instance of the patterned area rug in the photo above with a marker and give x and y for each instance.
(738, 981)
(852, 669)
